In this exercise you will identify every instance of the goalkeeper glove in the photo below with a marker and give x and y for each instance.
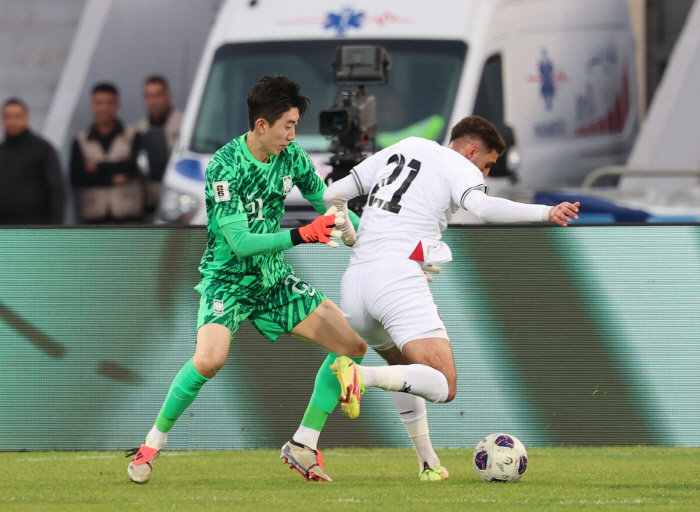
(320, 230)
(349, 236)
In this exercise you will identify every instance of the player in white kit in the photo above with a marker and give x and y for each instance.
(413, 188)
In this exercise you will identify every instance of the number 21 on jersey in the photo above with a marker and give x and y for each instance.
(255, 209)
(393, 205)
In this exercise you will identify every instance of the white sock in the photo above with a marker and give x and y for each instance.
(307, 436)
(385, 377)
(416, 379)
(156, 439)
(414, 416)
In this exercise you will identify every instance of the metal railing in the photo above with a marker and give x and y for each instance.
(604, 174)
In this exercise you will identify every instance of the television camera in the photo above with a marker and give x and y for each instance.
(352, 121)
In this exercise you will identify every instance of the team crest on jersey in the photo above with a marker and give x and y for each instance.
(218, 307)
(287, 184)
(221, 191)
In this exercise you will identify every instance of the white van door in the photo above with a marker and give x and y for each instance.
(561, 85)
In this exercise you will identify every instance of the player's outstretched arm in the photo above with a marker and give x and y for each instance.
(498, 209)
(245, 244)
(564, 213)
(321, 229)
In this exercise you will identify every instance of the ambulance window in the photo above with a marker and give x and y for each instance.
(489, 98)
(489, 104)
(417, 100)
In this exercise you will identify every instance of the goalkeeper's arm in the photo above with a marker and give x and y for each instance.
(245, 244)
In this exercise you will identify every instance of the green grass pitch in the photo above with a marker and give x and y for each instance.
(609, 479)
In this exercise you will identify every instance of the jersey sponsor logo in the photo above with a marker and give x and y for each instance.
(248, 196)
(218, 307)
(287, 184)
(221, 191)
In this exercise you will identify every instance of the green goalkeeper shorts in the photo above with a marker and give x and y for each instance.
(277, 310)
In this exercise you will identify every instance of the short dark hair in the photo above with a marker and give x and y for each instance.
(272, 96)
(15, 101)
(156, 79)
(105, 87)
(480, 128)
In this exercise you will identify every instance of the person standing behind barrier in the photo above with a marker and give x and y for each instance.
(160, 130)
(31, 183)
(103, 164)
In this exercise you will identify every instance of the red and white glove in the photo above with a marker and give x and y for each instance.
(321, 229)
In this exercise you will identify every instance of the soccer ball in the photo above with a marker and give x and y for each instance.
(500, 458)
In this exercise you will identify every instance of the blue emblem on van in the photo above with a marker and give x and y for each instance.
(190, 168)
(548, 77)
(341, 22)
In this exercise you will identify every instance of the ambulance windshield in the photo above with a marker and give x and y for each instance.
(416, 101)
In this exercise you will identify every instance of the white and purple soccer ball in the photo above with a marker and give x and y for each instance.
(500, 458)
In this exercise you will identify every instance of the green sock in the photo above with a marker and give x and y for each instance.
(183, 391)
(325, 395)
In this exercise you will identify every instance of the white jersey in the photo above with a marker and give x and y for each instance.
(413, 188)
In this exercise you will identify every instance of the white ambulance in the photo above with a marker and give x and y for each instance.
(556, 77)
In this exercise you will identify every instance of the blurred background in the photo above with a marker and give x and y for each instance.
(121, 41)
(56, 50)
(167, 36)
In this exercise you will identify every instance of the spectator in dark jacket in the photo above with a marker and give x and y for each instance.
(31, 183)
(160, 130)
(103, 164)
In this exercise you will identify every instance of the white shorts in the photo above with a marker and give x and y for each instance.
(388, 303)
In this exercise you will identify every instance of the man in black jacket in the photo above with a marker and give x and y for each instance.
(31, 183)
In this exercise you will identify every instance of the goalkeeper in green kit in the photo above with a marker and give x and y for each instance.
(244, 274)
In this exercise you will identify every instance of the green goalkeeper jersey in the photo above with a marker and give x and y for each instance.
(239, 187)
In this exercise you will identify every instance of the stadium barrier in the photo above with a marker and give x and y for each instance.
(587, 335)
